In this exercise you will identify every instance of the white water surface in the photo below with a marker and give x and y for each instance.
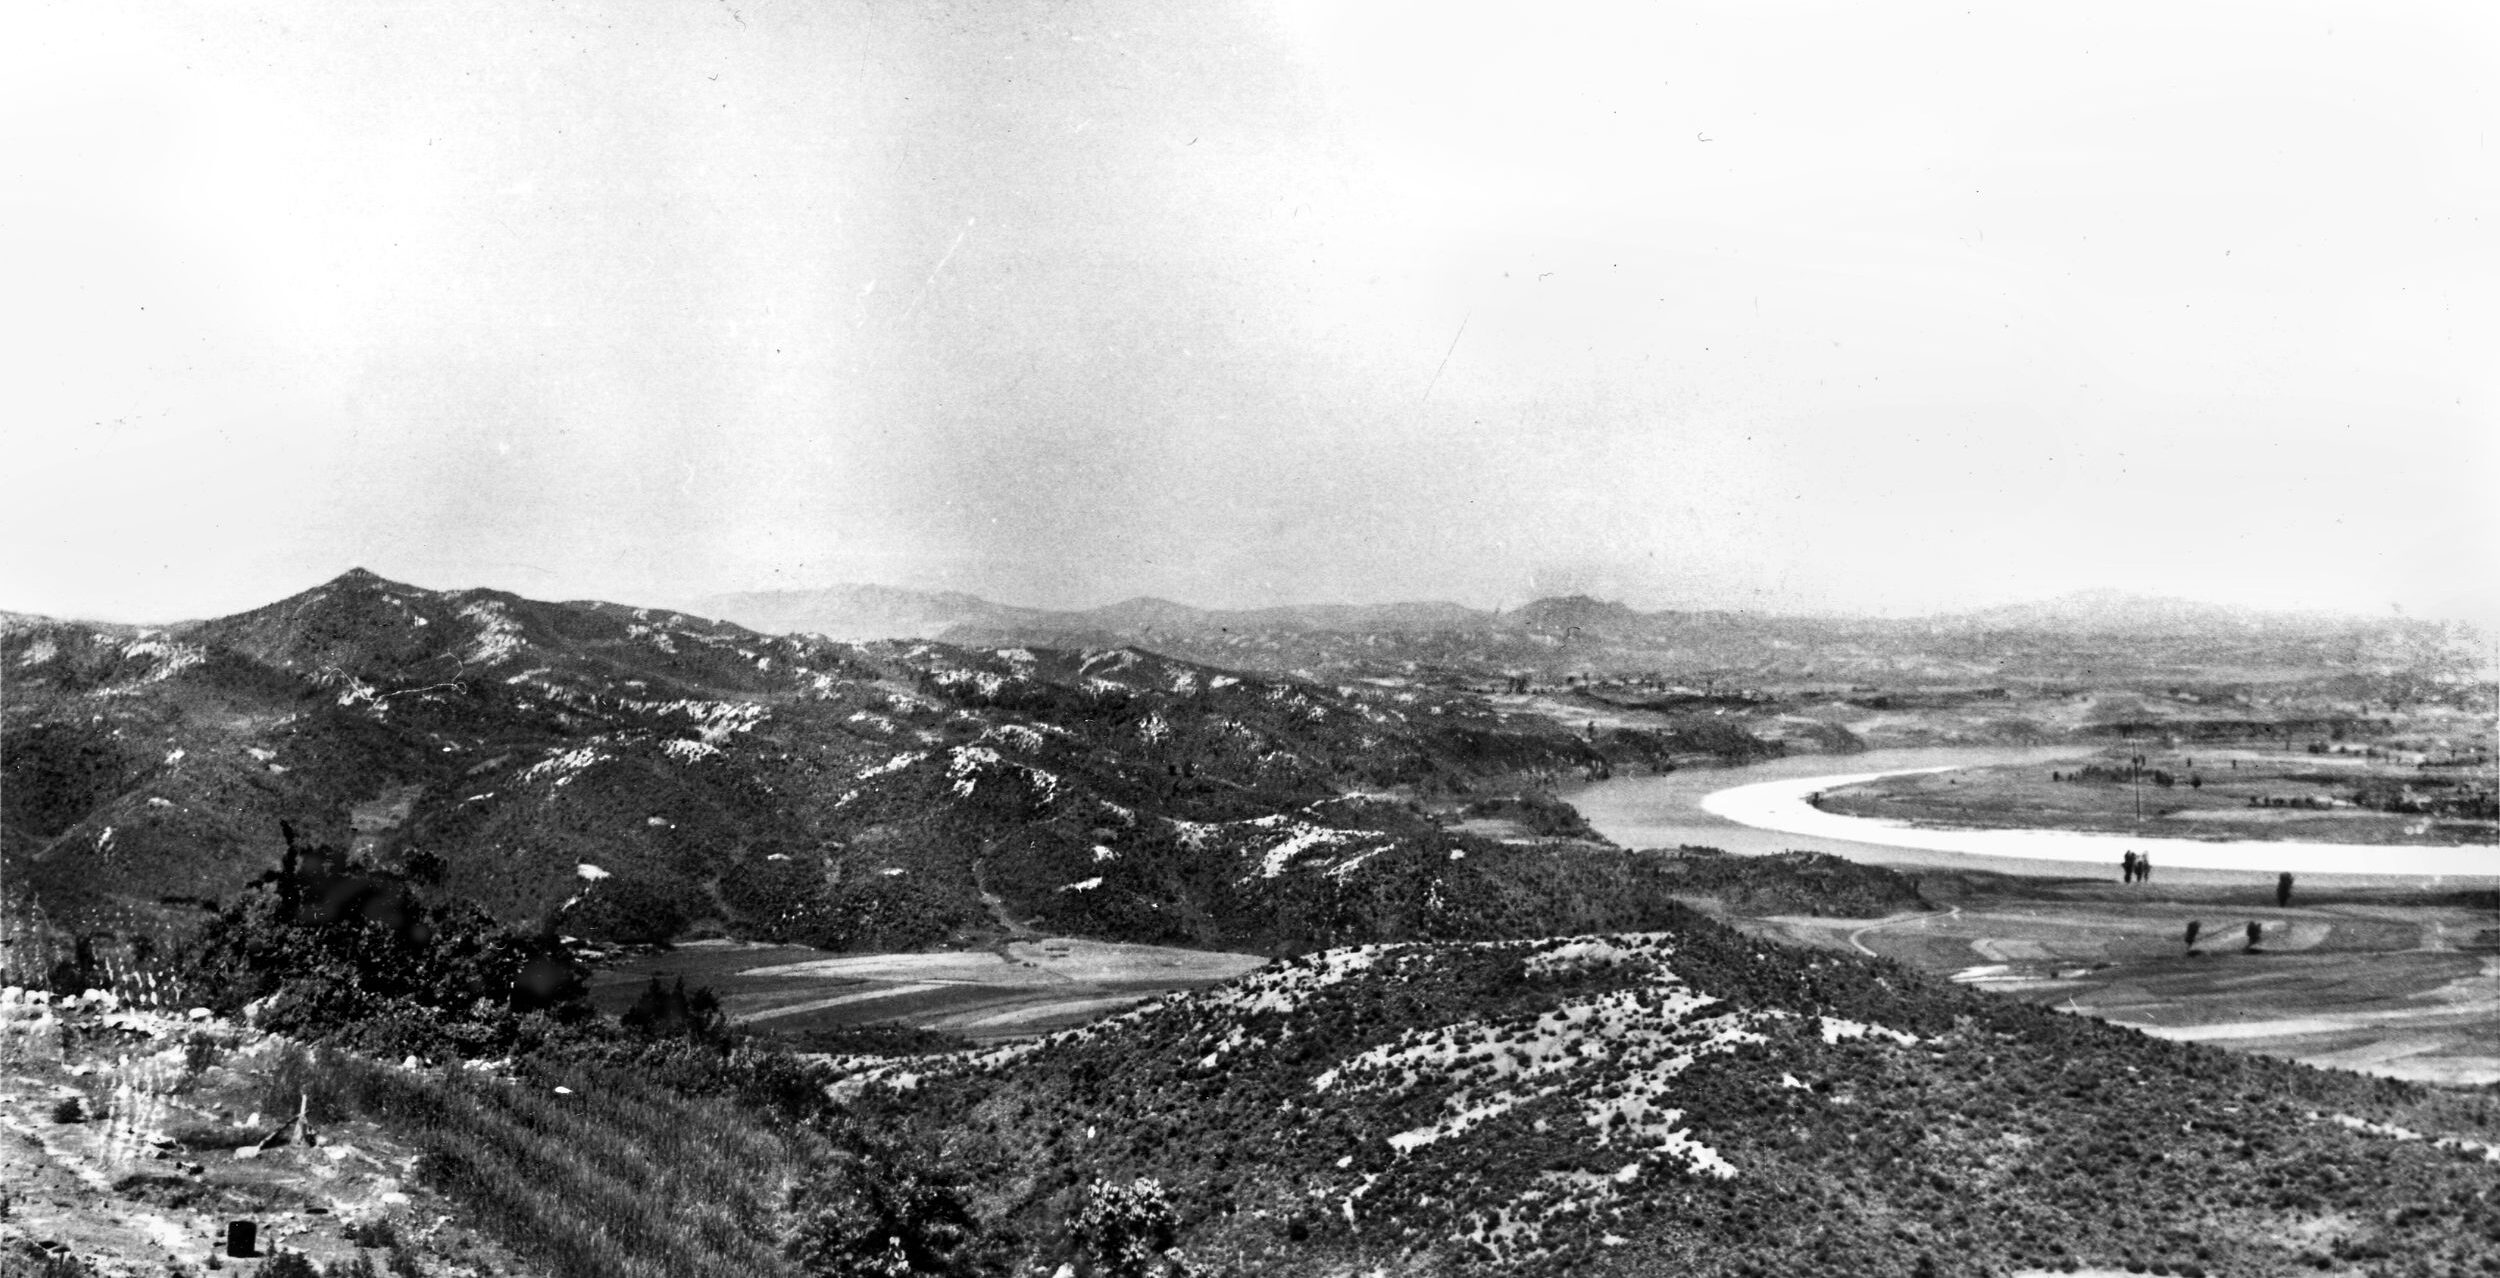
(1765, 808)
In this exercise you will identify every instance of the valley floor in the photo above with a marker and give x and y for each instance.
(2386, 982)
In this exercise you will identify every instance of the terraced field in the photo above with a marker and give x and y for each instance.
(1015, 989)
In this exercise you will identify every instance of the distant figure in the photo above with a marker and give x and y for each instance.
(2194, 926)
(2255, 930)
(2283, 891)
(2126, 865)
(2143, 867)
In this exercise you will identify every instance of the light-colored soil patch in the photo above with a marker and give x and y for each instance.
(1033, 1017)
(117, 1191)
(1106, 961)
(980, 967)
(385, 811)
(750, 1012)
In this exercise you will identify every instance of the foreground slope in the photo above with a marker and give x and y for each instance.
(1691, 1101)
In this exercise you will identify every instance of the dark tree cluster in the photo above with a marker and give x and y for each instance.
(329, 949)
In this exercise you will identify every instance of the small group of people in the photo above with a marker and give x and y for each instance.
(2196, 927)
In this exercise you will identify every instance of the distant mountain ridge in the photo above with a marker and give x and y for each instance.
(891, 612)
(2073, 637)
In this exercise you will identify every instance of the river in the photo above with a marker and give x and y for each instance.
(1763, 808)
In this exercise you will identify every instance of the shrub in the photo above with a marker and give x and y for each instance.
(885, 1208)
(378, 1232)
(1129, 1230)
(671, 1012)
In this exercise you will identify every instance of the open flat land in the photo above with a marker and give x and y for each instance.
(2389, 982)
(2355, 796)
(1015, 989)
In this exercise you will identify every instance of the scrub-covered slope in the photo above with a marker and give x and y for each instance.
(1693, 1102)
(657, 771)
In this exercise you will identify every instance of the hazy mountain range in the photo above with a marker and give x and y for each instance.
(2080, 636)
(890, 612)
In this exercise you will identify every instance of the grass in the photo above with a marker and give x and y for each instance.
(615, 1178)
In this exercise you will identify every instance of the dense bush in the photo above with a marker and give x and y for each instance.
(670, 1012)
(878, 1207)
(1129, 1230)
(1795, 883)
(342, 953)
(632, 909)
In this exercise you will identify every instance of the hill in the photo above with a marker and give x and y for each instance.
(652, 771)
(1687, 1101)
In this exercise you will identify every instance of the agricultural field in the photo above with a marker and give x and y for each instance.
(2314, 792)
(2396, 983)
(1015, 989)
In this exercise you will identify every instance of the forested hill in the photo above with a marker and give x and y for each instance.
(659, 771)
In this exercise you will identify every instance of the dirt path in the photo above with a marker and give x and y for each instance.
(1948, 912)
(997, 907)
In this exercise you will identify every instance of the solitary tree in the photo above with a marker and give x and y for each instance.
(2255, 930)
(670, 1011)
(2283, 890)
(2194, 926)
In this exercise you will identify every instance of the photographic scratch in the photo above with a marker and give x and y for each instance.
(1445, 360)
(934, 271)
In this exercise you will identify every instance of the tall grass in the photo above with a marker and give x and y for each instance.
(616, 1179)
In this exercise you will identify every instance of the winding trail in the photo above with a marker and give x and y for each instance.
(1948, 912)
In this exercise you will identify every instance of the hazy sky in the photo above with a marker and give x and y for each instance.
(1887, 307)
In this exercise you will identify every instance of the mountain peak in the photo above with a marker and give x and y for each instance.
(362, 579)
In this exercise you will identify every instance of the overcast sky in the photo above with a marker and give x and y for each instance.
(1868, 307)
